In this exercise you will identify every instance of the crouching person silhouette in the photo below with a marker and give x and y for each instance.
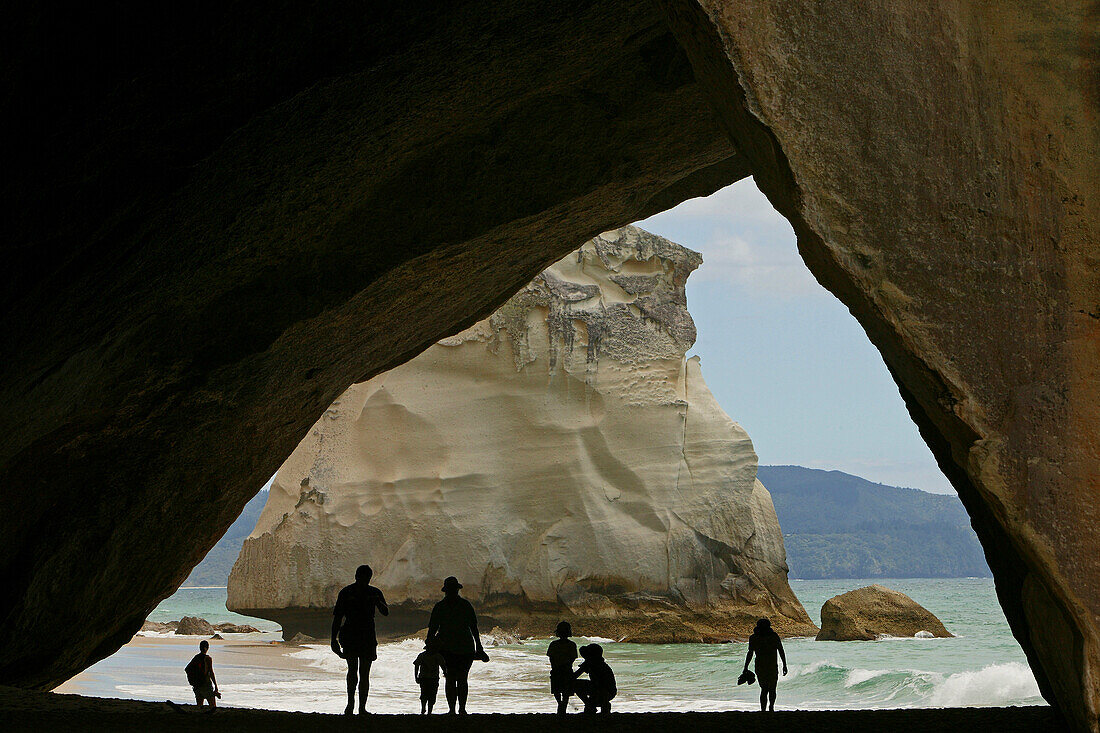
(353, 635)
(599, 689)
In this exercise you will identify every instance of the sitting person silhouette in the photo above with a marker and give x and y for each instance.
(426, 669)
(766, 644)
(200, 675)
(353, 635)
(599, 689)
(562, 652)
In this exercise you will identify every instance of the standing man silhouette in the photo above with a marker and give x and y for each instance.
(353, 636)
(766, 644)
(454, 623)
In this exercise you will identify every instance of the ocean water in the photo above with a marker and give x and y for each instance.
(982, 666)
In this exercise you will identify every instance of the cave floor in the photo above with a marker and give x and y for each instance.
(38, 711)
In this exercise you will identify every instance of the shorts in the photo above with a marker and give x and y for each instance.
(458, 665)
(362, 644)
(203, 692)
(561, 683)
(767, 677)
(429, 689)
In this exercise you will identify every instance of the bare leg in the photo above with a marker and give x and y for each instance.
(771, 700)
(463, 692)
(451, 690)
(364, 683)
(353, 680)
(563, 702)
(763, 700)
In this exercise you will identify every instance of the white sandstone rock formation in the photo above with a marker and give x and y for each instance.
(561, 457)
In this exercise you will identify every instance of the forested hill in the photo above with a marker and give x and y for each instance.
(837, 525)
(214, 568)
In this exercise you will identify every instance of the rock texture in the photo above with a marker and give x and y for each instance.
(221, 221)
(938, 164)
(561, 457)
(194, 626)
(868, 613)
(217, 225)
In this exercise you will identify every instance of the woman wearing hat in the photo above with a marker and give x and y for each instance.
(454, 624)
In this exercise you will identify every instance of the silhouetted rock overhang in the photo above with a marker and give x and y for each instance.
(224, 217)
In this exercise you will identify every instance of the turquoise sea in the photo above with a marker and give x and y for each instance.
(983, 665)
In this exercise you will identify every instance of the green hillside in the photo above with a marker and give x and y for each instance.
(214, 568)
(836, 525)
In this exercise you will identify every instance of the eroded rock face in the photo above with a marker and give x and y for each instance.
(866, 614)
(561, 457)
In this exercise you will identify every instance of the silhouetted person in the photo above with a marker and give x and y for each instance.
(562, 652)
(200, 675)
(454, 623)
(426, 669)
(353, 636)
(599, 689)
(766, 645)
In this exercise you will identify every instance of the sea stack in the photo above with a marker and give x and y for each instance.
(561, 457)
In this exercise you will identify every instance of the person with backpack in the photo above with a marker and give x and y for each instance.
(200, 675)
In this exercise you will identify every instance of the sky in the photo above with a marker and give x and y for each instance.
(782, 355)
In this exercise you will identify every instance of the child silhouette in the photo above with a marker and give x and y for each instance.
(562, 651)
(599, 689)
(426, 669)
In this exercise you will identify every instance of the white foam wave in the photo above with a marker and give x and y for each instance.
(997, 684)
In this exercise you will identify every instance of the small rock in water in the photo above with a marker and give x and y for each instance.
(217, 636)
(500, 637)
(876, 612)
(301, 638)
(194, 626)
(236, 628)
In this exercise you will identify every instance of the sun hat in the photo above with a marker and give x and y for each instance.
(451, 583)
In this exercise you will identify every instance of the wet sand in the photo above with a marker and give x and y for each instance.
(46, 711)
(244, 650)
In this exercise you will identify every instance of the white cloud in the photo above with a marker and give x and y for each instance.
(740, 202)
(765, 268)
(743, 240)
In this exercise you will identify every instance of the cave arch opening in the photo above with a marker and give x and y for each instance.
(766, 328)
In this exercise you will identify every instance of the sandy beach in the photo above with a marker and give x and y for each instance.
(236, 652)
(43, 711)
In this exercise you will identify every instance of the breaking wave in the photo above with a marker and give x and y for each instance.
(995, 685)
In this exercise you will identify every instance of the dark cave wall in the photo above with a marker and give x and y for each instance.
(223, 217)
(225, 224)
(939, 167)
